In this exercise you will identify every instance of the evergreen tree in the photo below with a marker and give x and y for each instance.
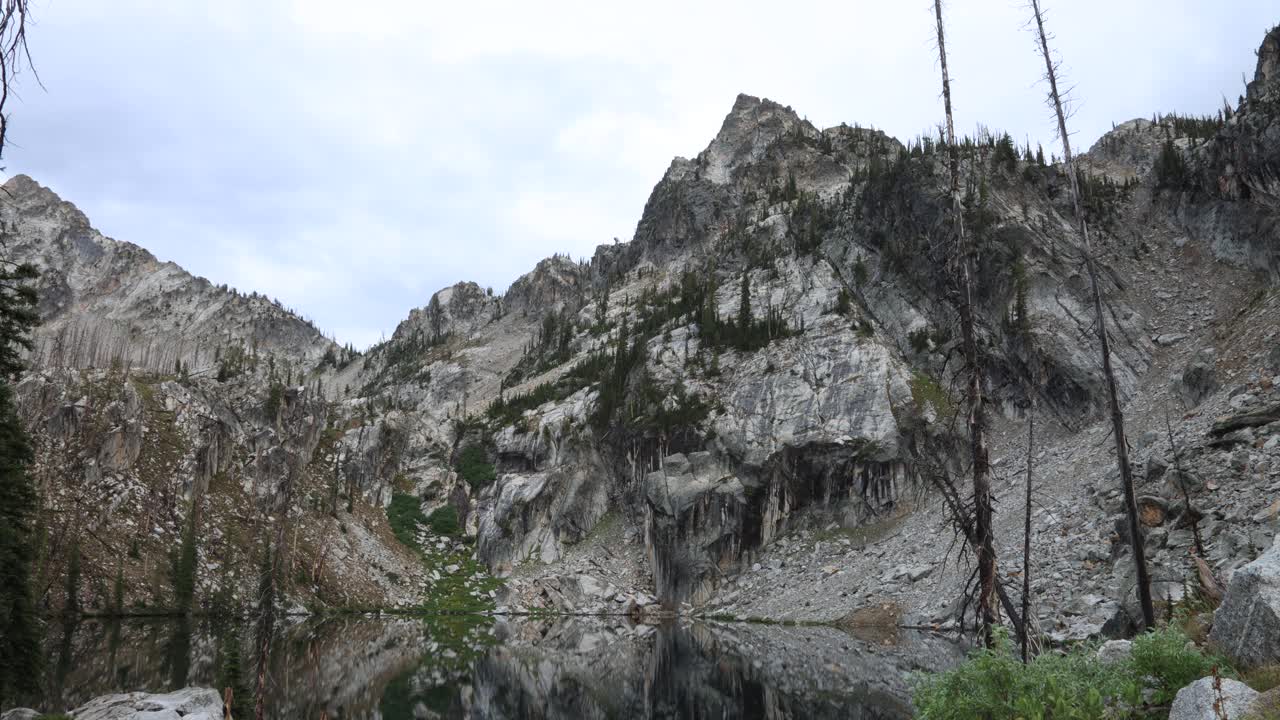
(744, 306)
(20, 656)
(231, 673)
(1170, 169)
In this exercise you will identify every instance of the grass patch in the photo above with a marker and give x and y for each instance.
(1263, 678)
(993, 684)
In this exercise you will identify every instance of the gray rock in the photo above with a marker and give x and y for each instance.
(1113, 651)
(188, 704)
(20, 714)
(1197, 700)
(1199, 379)
(1247, 624)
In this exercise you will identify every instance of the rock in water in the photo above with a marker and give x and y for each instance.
(186, 704)
(1196, 701)
(1247, 624)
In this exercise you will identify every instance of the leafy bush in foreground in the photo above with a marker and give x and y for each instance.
(993, 684)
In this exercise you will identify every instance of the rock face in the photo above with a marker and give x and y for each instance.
(1201, 700)
(1247, 624)
(185, 704)
(770, 355)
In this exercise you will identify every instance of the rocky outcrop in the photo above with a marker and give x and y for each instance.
(1247, 624)
(703, 521)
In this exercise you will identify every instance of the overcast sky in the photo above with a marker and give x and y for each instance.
(352, 164)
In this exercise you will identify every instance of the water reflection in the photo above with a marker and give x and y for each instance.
(476, 667)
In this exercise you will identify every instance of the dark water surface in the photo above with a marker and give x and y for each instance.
(478, 667)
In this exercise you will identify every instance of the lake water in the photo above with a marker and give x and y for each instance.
(480, 667)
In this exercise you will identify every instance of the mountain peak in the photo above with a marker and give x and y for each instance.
(34, 198)
(749, 128)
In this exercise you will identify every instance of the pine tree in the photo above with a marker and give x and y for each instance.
(744, 310)
(20, 655)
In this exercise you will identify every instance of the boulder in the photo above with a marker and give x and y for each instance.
(1273, 357)
(1198, 379)
(186, 704)
(1247, 624)
(20, 714)
(1200, 700)
(1114, 651)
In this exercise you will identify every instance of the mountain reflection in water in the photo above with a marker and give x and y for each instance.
(478, 667)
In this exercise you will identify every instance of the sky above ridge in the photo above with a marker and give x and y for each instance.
(352, 158)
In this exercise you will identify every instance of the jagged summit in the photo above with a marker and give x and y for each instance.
(36, 199)
(748, 130)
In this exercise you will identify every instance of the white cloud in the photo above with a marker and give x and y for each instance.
(351, 158)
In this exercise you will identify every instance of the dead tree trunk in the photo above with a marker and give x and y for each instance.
(976, 416)
(1117, 415)
(1024, 636)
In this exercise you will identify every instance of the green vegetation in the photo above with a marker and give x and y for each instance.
(1005, 155)
(993, 684)
(233, 362)
(231, 673)
(465, 590)
(474, 467)
(927, 391)
(21, 657)
(275, 396)
(549, 349)
(1170, 169)
(444, 521)
(405, 516)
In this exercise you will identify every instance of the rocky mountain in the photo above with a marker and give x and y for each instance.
(746, 406)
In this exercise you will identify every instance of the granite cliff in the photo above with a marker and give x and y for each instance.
(736, 409)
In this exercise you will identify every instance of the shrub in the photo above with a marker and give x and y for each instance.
(993, 684)
(405, 516)
(1164, 658)
(475, 468)
(444, 521)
